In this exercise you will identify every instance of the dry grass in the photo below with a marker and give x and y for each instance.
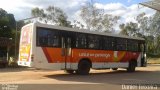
(153, 60)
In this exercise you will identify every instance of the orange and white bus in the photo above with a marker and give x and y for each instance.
(61, 48)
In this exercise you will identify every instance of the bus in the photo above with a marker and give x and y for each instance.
(77, 51)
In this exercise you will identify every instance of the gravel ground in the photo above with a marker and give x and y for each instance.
(115, 79)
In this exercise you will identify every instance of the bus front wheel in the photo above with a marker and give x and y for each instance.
(83, 67)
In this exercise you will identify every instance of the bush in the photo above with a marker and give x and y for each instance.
(151, 55)
(12, 62)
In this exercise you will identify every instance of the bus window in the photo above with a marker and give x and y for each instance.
(109, 43)
(132, 45)
(121, 44)
(48, 38)
(93, 42)
(55, 40)
(81, 41)
(42, 38)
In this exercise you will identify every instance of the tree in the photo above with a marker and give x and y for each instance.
(96, 19)
(155, 32)
(7, 24)
(123, 29)
(7, 27)
(36, 12)
(52, 15)
(144, 24)
(150, 27)
(129, 29)
(146, 27)
(108, 22)
(77, 24)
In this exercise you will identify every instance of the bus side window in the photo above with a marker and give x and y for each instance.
(121, 44)
(132, 45)
(93, 42)
(81, 40)
(109, 43)
(42, 38)
(48, 38)
(101, 43)
(106, 43)
(135, 46)
(55, 41)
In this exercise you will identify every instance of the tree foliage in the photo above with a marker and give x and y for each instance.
(7, 24)
(7, 28)
(129, 29)
(96, 19)
(146, 27)
(52, 15)
(36, 12)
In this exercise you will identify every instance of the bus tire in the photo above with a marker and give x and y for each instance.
(83, 67)
(132, 66)
(69, 71)
(114, 68)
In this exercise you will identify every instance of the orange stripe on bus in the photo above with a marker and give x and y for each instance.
(47, 55)
(54, 55)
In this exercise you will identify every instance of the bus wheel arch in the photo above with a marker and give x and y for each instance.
(84, 66)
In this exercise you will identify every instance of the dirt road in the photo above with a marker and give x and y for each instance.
(146, 75)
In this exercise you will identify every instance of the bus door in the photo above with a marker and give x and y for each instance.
(66, 52)
(143, 51)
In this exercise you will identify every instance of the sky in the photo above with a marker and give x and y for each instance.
(125, 2)
(127, 9)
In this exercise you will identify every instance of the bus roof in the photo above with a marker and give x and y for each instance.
(84, 31)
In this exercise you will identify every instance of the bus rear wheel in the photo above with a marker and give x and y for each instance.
(83, 67)
(132, 66)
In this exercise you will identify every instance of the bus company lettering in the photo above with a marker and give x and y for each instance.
(94, 55)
